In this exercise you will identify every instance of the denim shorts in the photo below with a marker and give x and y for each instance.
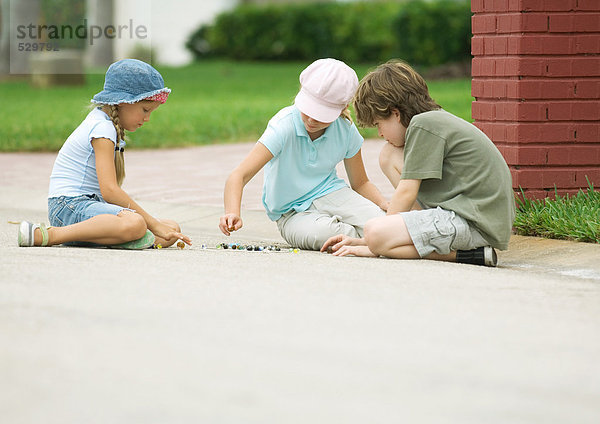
(442, 231)
(65, 210)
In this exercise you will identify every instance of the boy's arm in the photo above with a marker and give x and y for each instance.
(404, 197)
(360, 182)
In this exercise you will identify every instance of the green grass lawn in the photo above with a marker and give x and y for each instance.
(211, 102)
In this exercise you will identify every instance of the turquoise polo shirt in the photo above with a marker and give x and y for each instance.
(303, 170)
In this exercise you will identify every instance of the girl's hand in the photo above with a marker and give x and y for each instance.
(334, 243)
(168, 234)
(230, 222)
(363, 251)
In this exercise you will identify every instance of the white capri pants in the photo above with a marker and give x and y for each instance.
(343, 211)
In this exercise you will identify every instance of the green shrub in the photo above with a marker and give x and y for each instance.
(353, 32)
(434, 32)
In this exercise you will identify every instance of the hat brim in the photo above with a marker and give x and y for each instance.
(108, 97)
(317, 110)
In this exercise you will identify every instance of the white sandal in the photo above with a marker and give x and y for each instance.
(26, 234)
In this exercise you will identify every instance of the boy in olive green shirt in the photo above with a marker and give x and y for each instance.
(453, 199)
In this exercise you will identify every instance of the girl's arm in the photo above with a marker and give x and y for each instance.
(360, 182)
(112, 193)
(239, 177)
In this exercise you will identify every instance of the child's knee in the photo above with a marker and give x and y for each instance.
(133, 225)
(384, 159)
(385, 156)
(391, 158)
(375, 235)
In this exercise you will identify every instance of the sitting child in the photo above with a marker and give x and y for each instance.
(299, 150)
(453, 199)
(86, 204)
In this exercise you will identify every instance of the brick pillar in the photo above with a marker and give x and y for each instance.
(536, 83)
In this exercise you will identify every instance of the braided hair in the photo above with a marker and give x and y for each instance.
(119, 159)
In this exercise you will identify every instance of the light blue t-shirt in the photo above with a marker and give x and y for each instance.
(74, 171)
(303, 170)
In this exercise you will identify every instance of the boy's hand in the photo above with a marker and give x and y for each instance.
(230, 222)
(333, 244)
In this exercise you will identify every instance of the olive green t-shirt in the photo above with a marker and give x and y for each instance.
(461, 171)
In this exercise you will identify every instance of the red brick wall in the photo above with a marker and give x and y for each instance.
(536, 83)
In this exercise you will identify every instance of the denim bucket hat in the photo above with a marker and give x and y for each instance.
(129, 81)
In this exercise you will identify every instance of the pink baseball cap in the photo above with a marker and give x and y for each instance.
(327, 86)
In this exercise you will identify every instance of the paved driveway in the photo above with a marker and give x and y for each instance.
(204, 335)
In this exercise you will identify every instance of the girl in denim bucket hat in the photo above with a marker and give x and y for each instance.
(299, 150)
(86, 204)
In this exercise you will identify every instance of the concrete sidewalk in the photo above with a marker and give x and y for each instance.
(193, 335)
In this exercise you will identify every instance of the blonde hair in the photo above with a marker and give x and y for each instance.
(346, 114)
(113, 114)
(392, 85)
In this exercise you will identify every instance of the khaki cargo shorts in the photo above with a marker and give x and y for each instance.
(441, 231)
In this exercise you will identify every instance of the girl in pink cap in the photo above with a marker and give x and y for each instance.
(299, 150)
(86, 204)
